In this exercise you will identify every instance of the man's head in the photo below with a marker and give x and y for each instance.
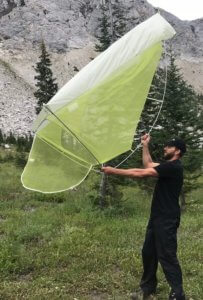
(174, 149)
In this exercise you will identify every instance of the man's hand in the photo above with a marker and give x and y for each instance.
(107, 170)
(145, 139)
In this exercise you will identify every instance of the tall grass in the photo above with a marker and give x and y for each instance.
(61, 247)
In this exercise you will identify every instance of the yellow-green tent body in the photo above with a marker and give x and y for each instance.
(93, 118)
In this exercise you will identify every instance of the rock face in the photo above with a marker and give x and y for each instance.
(68, 28)
(16, 105)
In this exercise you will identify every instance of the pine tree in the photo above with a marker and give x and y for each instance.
(153, 103)
(1, 137)
(113, 24)
(22, 2)
(10, 139)
(24, 143)
(119, 19)
(147, 119)
(46, 85)
(109, 193)
(180, 117)
(104, 37)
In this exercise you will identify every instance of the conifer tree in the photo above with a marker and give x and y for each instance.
(109, 194)
(113, 24)
(119, 19)
(104, 37)
(153, 103)
(1, 137)
(147, 119)
(22, 2)
(24, 143)
(46, 85)
(10, 139)
(180, 117)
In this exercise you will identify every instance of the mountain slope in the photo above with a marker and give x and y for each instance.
(69, 28)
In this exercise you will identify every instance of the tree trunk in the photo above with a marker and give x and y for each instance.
(182, 201)
(102, 191)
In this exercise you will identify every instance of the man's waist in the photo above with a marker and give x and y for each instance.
(175, 213)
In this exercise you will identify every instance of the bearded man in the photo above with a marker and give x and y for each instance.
(160, 243)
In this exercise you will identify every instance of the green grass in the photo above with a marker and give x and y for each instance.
(60, 247)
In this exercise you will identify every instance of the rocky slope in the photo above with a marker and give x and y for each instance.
(68, 28)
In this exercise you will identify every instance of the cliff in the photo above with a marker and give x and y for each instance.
(68, 28)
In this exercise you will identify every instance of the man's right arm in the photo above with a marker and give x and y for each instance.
(146, 157)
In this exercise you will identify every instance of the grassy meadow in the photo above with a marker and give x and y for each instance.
(61, 247)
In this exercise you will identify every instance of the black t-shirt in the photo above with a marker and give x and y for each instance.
(165, 200)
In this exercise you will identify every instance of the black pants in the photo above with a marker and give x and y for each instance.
(161, 246)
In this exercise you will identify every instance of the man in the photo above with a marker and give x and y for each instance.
(161, 235)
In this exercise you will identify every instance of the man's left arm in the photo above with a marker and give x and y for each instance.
(139, 173)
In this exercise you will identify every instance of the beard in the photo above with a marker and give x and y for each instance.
(168, 156)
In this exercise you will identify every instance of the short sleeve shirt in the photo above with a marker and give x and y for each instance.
(165, 200)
